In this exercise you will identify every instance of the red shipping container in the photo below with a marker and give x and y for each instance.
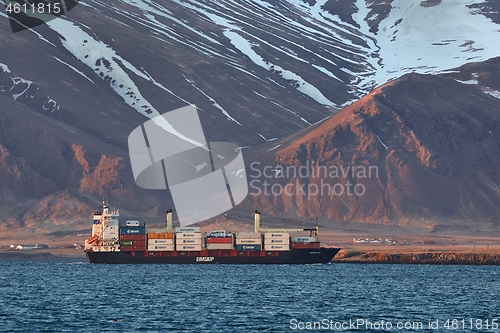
(132, 248)
(133, 237)
(312, 245)
(219, 240)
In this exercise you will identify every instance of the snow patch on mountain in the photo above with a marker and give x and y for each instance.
(327, 72)
(267, 140)
(295, 80)
(494, 93)
(74, 69)
(20, 81)
(414, 38)
(106, 64)
(5, 68)
(214, 103)
(17, 83)
(256, 93)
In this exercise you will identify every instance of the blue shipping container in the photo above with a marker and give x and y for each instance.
(248, 247)
(132, 230)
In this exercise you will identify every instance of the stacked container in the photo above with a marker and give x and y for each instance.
(160, 241)
(305, 243)
(188, 239)
(248, 241)
(133, 238)
(277, 241)
(187, 229)
(219, 240)
(303, 239)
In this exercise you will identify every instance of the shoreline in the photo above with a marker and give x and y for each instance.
(403, 249)
(45, 255)
(418, 257)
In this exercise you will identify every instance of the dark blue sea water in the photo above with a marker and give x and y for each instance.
(79, 297)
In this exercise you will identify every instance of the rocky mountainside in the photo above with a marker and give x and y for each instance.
(71, 91)
(423, 151)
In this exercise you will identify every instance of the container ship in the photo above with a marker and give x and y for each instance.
(132, 243)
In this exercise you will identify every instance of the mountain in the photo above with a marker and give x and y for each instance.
(72, 90)
(423, 150)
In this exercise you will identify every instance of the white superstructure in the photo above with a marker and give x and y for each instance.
(105, 230)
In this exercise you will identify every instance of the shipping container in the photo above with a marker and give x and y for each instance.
(187, 229)
(251, 247)
(160, 241)
(272, 247)
(219, 233)
(219, 246)
(132, 230)
(188, 247)
(188, 235)
(312, 245)
(277, 235)
(132, 223)
(192, 241)
(133, 242)
(248, 241)
(133, 237)
(303, 239)
(219, 240)
(283, 241)
(161, 247)
(160, 235)
(132, 248)
(248, 235)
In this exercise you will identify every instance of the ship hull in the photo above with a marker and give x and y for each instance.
(294, 256)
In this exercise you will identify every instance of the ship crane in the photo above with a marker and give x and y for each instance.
(258, 227)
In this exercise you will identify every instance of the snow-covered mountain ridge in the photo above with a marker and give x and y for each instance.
(291, 60)
(71, 91)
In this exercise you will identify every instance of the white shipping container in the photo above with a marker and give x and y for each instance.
(272, 247)
(188, 247)
(132, 223)
(244, 241)
(187, 229)
(180, 235)
(219, 246)
(303, 239)
(248, 235)
(283, 241)
(153, 241)
(276, 235)
(160, 247)
(192, 241)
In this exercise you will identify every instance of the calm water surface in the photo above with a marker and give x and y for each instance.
(79, 297)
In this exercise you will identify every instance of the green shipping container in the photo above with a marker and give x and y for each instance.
(126, 243)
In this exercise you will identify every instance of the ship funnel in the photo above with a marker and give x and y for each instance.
(169, 221)
(257, 221)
